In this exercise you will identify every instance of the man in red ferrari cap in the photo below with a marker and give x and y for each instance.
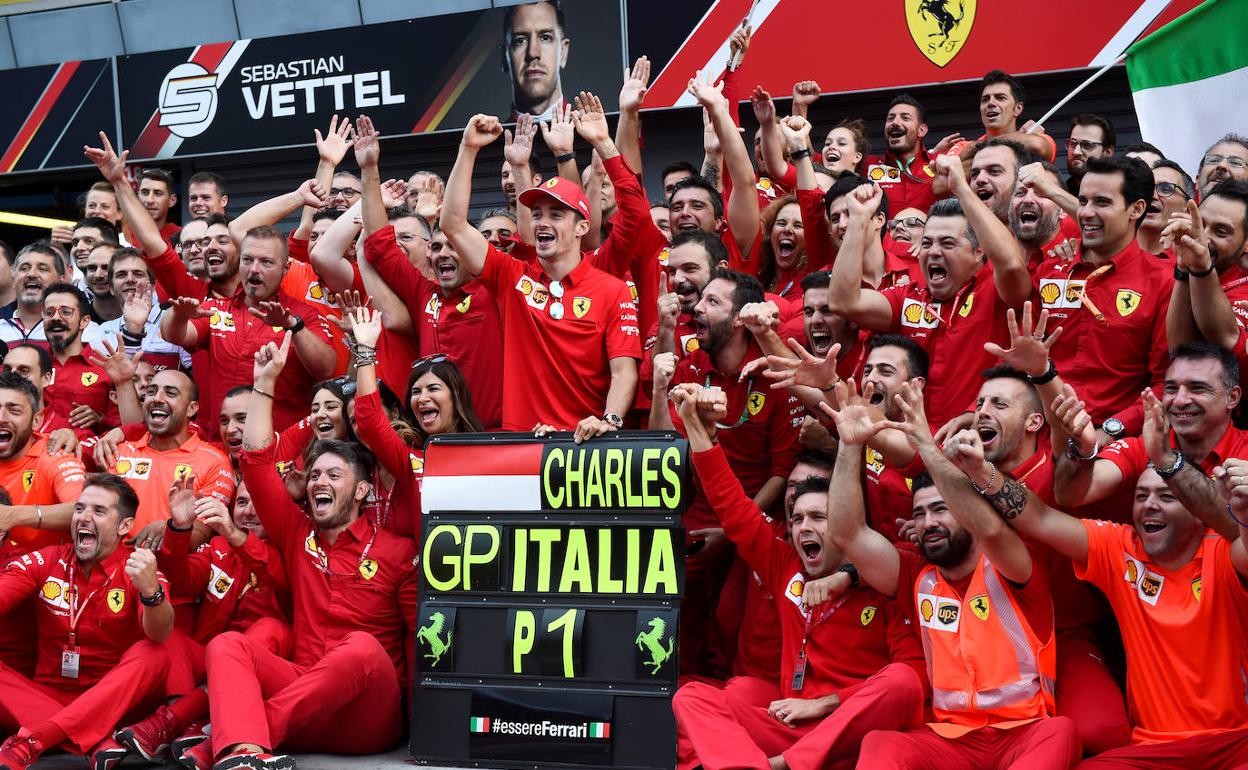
(571, 341)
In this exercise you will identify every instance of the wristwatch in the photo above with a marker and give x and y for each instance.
(298, 327)
(615, 420)
(155, 600)
(1114, 428)
(1179, 462)
(852, 571)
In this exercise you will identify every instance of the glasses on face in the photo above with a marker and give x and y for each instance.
(66, 312)
(346, 192)
(907, 222)
(1087, 145)
(436, 358)
(203, 243)
(1167, 189)
(1233, 161)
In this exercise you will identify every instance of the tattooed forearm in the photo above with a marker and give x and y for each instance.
(1011, 500)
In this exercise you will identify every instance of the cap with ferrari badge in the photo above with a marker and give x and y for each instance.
(562, 191)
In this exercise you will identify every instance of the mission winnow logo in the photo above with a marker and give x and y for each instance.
(541, 729)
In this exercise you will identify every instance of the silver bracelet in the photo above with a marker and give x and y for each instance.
(992, 479)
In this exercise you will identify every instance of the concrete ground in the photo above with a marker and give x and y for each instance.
(395, 759)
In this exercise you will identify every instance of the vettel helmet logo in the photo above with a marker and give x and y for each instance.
(188, 100)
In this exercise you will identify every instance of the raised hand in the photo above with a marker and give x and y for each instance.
(112, 166)
(270, 360)
(216, 516)
(739, 43)
(518, 147)
(590, 119)
(796, 130)
(760, 317)
(182, 500)
(481, 131)
(141, 569)
(805, 93)
(864, 201)
(365, 326)
(1029, 347)
(636, 84)
(333, 145)
(965, 449)
(669, 304)
(1072, 415)
(806, 370)
(314, 194)
(710, 139)
(116, 364)
(559, 133)
(394, 194)
(1186, 230)
(914, 423)
(1034, 177)
(664, 370)
(856, 420)
(273, 313)
(709, 95)
(1232, 476)
(188, 309)
(136, 308)
(1156, 434)
(367, 143)
(764, 107)
(949, 169)
(946, 144)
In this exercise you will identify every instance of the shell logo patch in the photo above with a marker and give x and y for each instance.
(926, 609)
(632, 289)
(874, 461)
(220, 321)
(919, 315)
(1132, 574)
(690, 343)
(1127, 302)
(116, 600)
(756, 402)
(981, 607)
(939, 613)
(418, 465)
(524, 286)
(28, 480)
(867, 615)
(764, 183)
(580, 306)
(793, 592)
(123, 466)
(368, 569)
(310, 546)
(928, 170)
(54, 592)
(663, 256)
(882, 173)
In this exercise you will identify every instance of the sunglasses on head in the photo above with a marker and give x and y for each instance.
(436, 358)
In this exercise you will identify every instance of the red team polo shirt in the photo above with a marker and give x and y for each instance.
(556, 370)
(80, 382)
(953, 333)
(231, 335)
(405, 463)
(1109, 358)
(37, 478)
(111, 612)
(908, 185)
(465, 325)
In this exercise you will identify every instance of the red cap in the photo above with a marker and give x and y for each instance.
(563, 191)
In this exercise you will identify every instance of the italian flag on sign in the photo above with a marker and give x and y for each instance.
(1188, 80)
(599, 729)
(479, 724)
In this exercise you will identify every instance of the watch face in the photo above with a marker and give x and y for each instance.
(1114, 427)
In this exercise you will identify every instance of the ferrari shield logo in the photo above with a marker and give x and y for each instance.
(89, 379)
(1127, 301)
(368, 568)
(580, 306)
(867, 615)
(755, 403)
(117, 600)
(981, 607)
(464, 304)
(940, 27)
(28, 480)
(1196, 588)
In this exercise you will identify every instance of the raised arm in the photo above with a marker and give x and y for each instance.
(120, 370)
(1209, 305)
(1233, 482)
(742, 211)
(1009, 262)
(1079, 477)
(877, 560)
(632, 97)
(141, 569)
(469, 244)
(846, 295)
(1002, 545)
(774, 164)
(270, 360)
(326, 254)
(1034, 176)
(367, 155)
(518, 152)
(138, 221)
(331, 148)
(269, 212)
(177, 322)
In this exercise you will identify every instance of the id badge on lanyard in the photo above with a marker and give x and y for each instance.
(799, 671)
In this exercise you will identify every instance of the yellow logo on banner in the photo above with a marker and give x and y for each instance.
(117, 600)
(1127, 302)
(940, 27)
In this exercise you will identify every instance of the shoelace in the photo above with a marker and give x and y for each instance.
(23, 746)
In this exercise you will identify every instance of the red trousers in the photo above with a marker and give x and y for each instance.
(1046, 744)
(187, 664)
(729, 727)
(347, 702)
(1220, 751)
(87, 715)
(1089, 695)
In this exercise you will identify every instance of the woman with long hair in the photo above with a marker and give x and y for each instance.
(438, 400)
(782, 260)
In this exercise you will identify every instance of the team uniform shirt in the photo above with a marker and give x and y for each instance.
(235, 586)
(907, 185)
(1183, 630)
(78, 382)
(887, 497)
(37, 478)
(846, 641)
(761, 440)
(953, 334)
(231, 336)
(464, 324)
(405, 463)
(1109, 355)
(52, 422)
(366, 580)
(152, 471)
(556, 362)
(158, 352)
(111, 613)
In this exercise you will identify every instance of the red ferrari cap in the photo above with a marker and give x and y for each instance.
(564, 191)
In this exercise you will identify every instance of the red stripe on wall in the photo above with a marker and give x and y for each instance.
(37, 115)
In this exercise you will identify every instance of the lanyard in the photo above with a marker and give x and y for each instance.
(745, 408)
(1083, 295)
(1235, 283)
(324, 559)
(799, 671)
(75, 610)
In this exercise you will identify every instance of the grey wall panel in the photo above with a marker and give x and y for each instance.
(377, 11)
(7, 59)
(51, 37)
(157, 25)
(267, 18)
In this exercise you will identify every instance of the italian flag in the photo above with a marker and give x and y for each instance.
(1189, 80)
(479, 724)
(599, 729)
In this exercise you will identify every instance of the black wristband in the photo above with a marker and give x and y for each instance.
(565, 158)
(852, 571)
(1045, 378)
(175, 528)
(155, 600)
(298, 327)
(1180, 274)
(1202, 273)
(802, 153)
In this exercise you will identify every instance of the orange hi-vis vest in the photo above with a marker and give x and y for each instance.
(987, 666)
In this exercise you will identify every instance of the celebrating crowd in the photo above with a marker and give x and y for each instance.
(964, 432)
